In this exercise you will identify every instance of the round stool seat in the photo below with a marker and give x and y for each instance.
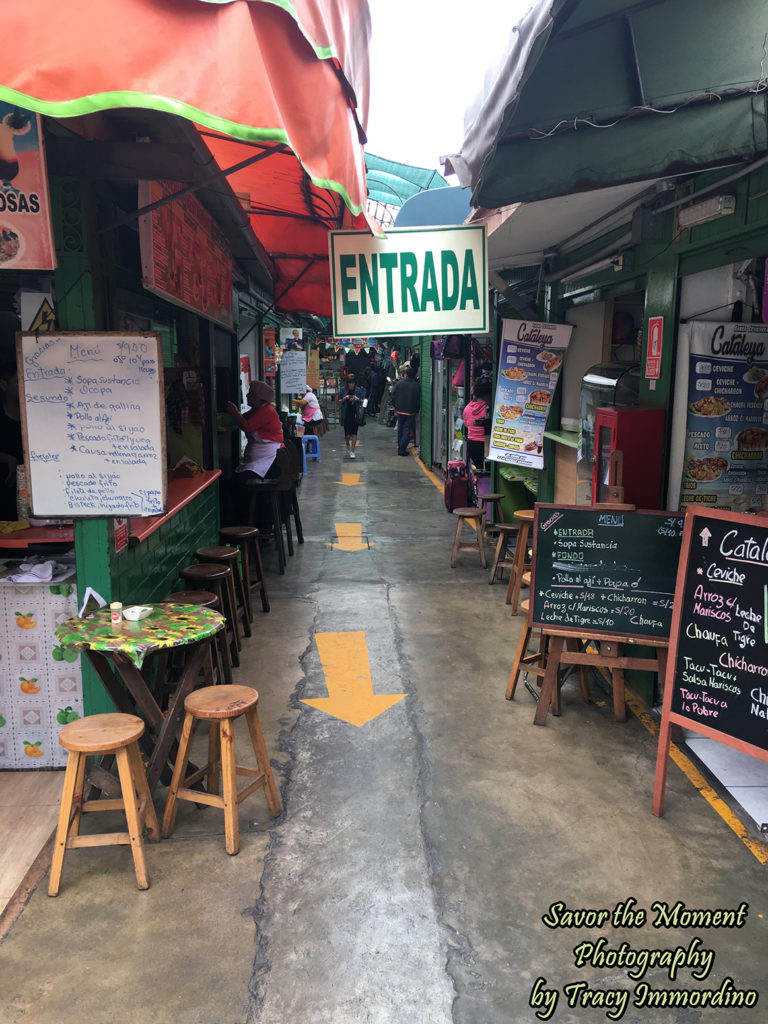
(216, 554)
(205, 598)
(525, 515)
(468, 513)
(239, 532)
(206, 571)
(507, 527)
(490, 497)
(214, 702)
(97, 734)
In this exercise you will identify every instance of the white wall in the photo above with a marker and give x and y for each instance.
(584, 350)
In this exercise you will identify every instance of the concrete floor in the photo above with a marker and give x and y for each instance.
(407, 879)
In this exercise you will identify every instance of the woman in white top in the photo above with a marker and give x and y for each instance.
(311, 414)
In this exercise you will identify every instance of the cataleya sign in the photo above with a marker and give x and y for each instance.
(411, 281)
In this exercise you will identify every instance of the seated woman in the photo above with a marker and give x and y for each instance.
(311, 414)
(261, 425)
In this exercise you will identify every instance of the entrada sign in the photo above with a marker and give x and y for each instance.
(411, 281)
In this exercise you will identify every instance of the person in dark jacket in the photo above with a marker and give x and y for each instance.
(406, 400)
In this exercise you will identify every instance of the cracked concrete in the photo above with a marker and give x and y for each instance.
(406, 881)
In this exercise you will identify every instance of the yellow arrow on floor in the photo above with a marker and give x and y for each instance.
(350, 537)
(344, 657)
(349, 480)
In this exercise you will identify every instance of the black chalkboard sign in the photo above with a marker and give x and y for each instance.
(605, 572)
(717, 674)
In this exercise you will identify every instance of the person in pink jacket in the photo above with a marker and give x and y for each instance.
(476, 418)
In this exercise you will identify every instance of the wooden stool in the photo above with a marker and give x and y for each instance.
(221, 706)
(205, 599)
(221, 555)
(501, 556)
(104, 734)
(468, 515)
(520, 563)
(484, 500)
(245, 537)
(214, 578)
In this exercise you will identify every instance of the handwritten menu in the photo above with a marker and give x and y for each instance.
(529, 366)
(605, 572)
(719, 665)
(93, 423)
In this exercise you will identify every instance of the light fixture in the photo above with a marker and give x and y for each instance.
(615, 262)
(706, 210)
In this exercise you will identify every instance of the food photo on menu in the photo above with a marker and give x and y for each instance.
(725, 463)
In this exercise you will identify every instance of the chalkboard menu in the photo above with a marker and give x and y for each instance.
(718, 667)
(605, 572)
(93, 421)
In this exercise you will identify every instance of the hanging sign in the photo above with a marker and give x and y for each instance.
(184, 256)
(653, 352)
(26, 233)
(717, 673)
(725, 462)
(529, 366)
(411, 281)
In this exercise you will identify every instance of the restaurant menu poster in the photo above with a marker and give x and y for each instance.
(724, 464)
(184, 256)
(529, 365)
(26, 232)
(293, 373)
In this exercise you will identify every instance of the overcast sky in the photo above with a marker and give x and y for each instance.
(428, 60)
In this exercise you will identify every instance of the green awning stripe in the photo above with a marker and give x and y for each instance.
(126, 98)
(323, 52)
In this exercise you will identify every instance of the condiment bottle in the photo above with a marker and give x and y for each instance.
(116, 612)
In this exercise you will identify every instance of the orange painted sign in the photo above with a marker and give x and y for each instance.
(26, 234)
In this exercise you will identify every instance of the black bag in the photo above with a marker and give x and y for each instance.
(360, 415)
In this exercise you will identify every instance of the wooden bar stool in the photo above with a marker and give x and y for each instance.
(117, 735)
(520, 562)
(483, 501)
(205, 599)
(469, 515)
(221, 706)
(502, 556)
(214, 578)
(221, 555)
(247, 537)
(536, 662)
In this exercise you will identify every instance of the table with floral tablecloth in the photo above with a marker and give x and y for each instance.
(118, 653)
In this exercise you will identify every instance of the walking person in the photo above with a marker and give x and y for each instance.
(350, 403)
(476, 421)
(406, 399)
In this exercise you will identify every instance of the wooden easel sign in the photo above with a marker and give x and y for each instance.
(717, 672)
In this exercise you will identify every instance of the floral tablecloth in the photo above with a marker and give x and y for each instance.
(169, 625)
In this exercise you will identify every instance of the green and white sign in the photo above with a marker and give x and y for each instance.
(411, 281)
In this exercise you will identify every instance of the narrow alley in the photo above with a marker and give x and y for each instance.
(407, 879)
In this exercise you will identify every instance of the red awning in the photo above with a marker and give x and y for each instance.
(250, 75)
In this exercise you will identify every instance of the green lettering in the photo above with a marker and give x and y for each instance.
(369, 283)
(469, 282)
(348, 284)
(429, 292)
(448, 262)
(388, 264)
(409, 271)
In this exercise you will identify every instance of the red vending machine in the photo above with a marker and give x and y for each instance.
(637, 433)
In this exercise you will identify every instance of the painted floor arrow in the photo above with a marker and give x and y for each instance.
(349, 480)
(344, 657)
(350, 538)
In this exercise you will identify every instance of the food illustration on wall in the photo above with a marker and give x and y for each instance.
(33, 749)
(727, 417)
(25, 620)
(529, 366)
(66, 715)
(28, 685)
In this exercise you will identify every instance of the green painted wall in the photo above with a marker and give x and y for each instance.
(425, 418)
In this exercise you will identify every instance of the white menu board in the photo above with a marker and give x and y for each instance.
(93, 421)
